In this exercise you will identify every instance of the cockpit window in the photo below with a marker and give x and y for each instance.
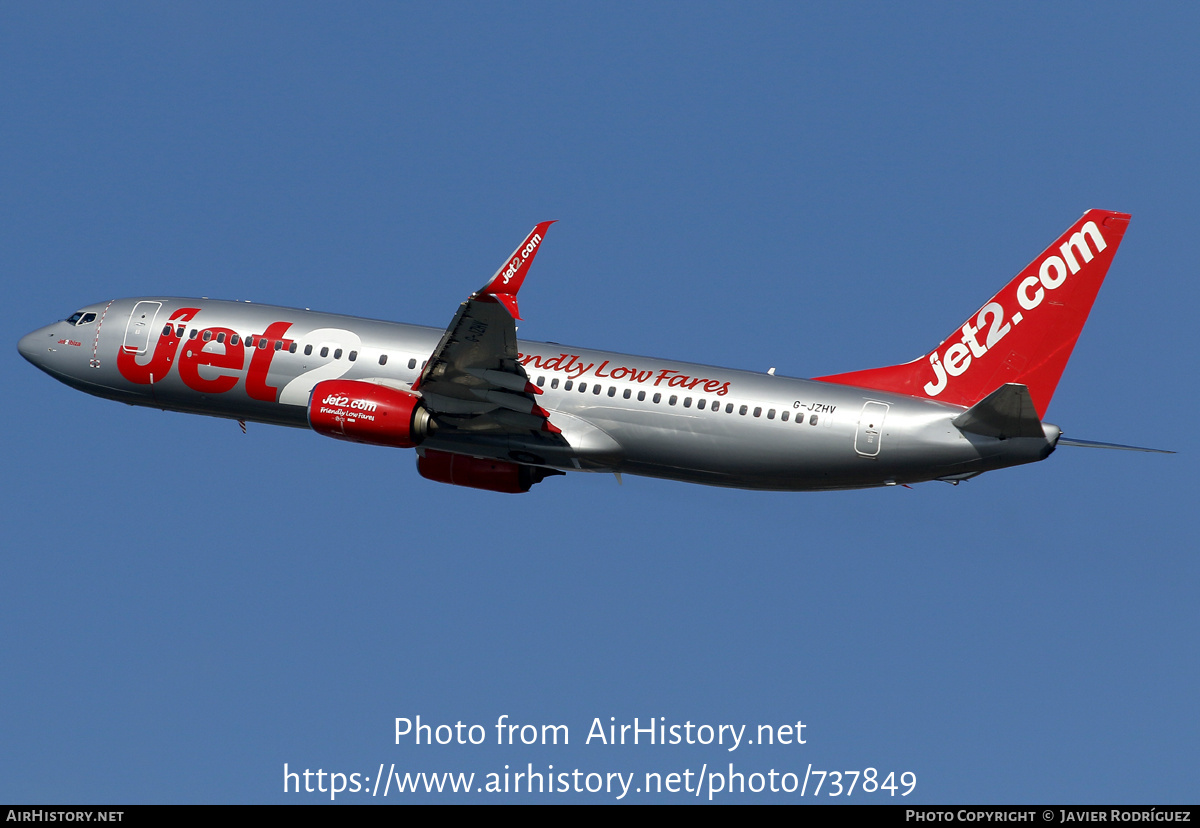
(81, 318)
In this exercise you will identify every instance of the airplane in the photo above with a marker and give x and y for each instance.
(485, 410)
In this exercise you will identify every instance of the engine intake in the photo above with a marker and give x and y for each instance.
(363, 412)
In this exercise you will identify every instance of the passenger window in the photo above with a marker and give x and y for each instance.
(324, 352)
(167, 330)
(412, 363)
(687, 402)
(179, 331)
(812, 420)
(771, 414)
(568, 385)
(278, 344)
(583, 388)
(641, 396)
(784, 416)
(701, 403)
(249, 339)
(262, 343)
(192, 333)
(308, 350)
(612, 390)
(554, 383)
(383, 359)
(627, 394)
(234, 340)
(656, 399)
(337, 354)
(742, 410)
(221, 337)
(353, 355)
(292, 347)
(757, 411)
(596, 389)
(541, 382)
(207, 335)
(673, 400)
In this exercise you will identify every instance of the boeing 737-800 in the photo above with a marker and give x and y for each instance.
(484, 409)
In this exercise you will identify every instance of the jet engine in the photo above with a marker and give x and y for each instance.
(363, 412)
(479, 473)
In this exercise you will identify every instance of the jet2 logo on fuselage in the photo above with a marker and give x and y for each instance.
(189, 354)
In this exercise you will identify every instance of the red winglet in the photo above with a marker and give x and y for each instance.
(509, 302)
(504, 285)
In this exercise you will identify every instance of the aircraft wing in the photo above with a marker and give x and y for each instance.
(473, 381)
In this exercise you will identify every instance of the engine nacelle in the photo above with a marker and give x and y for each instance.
(479, 473)
(363, 412)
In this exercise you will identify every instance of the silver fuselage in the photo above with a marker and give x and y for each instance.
(617, 412)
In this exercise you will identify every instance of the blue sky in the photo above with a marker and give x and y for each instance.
(818, 188)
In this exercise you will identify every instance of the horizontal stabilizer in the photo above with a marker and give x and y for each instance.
(1063, 441)
(1006, 412)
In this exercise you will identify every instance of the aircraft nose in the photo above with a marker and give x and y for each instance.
(34, 346)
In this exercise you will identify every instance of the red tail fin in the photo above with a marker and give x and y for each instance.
(1025, 334)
